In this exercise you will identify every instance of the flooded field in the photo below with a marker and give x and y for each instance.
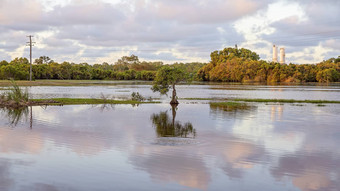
(124, 89)
(196, 146)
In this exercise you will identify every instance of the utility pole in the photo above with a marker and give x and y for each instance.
(30, 43)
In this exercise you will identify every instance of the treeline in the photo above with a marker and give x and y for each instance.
(227, 65)
(243, 65)
(126, 68)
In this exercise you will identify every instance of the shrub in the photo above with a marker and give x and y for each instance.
(15, 95)
(135, 96)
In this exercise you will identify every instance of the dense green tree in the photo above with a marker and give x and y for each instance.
(166, 78)
(43, 60)
(328, 75)
(227, 65)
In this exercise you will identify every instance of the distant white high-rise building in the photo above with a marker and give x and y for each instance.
(275, 53)
(282, 56)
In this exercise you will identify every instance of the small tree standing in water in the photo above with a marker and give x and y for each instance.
(167, 77)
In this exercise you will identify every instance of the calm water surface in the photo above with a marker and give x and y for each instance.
(154, 147)
(123, 90)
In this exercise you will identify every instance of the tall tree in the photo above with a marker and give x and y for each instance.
(166, 78)
(43, 60)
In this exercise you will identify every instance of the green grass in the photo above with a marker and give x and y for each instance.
(229, 106)
(83, 101)
(15, 96)
(268, 100)
(287, 101)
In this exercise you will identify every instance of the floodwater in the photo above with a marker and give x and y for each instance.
(124, 89)
(195, 146)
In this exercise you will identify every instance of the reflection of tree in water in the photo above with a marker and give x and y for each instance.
(104, 107)
(167, 127)
(14, 115)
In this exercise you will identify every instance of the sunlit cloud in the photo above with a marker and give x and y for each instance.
(171, 31)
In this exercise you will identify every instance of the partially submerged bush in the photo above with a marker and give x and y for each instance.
(15, 96)
(135, 96)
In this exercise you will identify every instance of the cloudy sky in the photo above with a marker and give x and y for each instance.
(96, 31)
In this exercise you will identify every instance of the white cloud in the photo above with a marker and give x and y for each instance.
(178, 30)
(255, 27)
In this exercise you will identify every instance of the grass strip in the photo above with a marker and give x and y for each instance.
(229, 105)
(287, 101)
(83, 101)
(267, 100)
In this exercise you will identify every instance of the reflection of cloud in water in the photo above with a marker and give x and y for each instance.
(311, 171)
(46, 187)
(251, 145)
(39, 113)
(187, 165)
(175, 166)
(5, 181)
(236, 154)
(20, 141)
(263, 132)
(312, 181)
(81, 132)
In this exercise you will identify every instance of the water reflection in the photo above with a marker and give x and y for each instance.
(276, 112)
(169, 127)
(15, 115)
(5, 181)
(108, 149)
(104, 107)
(235, 111)
(312, 171)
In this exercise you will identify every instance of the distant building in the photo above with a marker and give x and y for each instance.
(275, 53)
(282, 56)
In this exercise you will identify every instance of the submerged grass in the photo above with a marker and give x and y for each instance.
(287, 101)
(230, 106)
(268, 100)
